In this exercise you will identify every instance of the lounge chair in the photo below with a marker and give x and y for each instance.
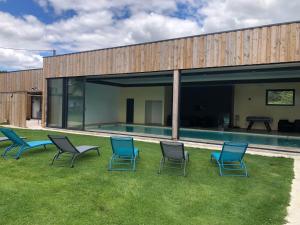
(2, 139)
(231, 158)
(18, 141)
(124, 153)
(64, 145)
(174, 154)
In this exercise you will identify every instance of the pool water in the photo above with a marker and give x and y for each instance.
(258, 139)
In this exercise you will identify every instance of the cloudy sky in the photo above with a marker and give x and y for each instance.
(76, 25)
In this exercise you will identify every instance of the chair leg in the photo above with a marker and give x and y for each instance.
(245, 168)
(21, 150)
(184, 168)
(220, 168)
(55, 157)
(9, 148)
(73, 159)
(134, 164)
(110, 164)
(98, 152)
(161, 164)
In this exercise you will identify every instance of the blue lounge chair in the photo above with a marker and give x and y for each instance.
(19, 142)
(2, 139)
(231, 158)
(124, 153)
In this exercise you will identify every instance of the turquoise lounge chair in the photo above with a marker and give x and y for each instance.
(19, 142)
(231, 158)
(124, 153)
(2, 139)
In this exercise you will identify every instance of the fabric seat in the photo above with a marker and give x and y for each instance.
(124, 154)
(3, 139)
(216, 155)
(64, 145)
(85, 148)
(18, 141)
(231, 159)
(38, 143)
(174, 153)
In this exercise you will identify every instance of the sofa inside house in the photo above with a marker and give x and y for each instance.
(288, 126)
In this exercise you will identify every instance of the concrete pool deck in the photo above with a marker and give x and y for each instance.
(293, 215)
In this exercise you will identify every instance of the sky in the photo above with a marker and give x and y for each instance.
(79, 25)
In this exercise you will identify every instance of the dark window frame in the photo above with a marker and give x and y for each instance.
(287, 89)
(65, 102)
(48, 102)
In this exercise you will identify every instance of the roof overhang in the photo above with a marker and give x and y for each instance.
(285, 72)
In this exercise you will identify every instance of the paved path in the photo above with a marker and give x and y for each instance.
(293, 217)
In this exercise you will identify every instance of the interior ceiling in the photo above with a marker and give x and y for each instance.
(287, 72)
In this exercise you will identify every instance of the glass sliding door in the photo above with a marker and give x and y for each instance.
(55, 103)
(75, 103)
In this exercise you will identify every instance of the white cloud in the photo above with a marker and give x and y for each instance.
(16, 60)
(146, 27)
(231, 14)
(26, 32)
(95, 25)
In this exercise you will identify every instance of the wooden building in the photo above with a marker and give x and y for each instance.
(176, 79)
(16, 91)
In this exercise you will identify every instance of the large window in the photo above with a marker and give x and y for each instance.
(66, 103)
(55, 103)
(75, 103)
(282, 97)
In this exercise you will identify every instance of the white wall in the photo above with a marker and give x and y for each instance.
(154, 112)
(102, 104)
(107, 104)
(140, 96)
(250, 100)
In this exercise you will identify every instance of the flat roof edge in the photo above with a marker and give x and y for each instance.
(15, 71)
(178, 38)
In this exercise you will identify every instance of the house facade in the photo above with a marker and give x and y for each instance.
(210, 81)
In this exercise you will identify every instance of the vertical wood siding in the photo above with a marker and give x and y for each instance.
(14, 87)
(262, 45)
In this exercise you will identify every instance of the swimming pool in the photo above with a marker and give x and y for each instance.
(257, 139)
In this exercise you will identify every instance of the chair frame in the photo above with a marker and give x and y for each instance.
(23, 145)
(239, 165)
(165, 160)
(76, 153)
(123, 160)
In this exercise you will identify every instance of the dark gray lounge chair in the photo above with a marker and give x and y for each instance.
(64, 145)
(173, 154)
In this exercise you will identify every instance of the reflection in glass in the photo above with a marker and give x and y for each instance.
(55, 102)
(75, 103)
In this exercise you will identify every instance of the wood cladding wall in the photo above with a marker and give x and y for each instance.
(13, 108)
(20, 81)
(261, 45)
(14, 87)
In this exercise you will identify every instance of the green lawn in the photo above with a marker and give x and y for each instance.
(32, 192)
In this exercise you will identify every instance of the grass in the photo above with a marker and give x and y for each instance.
(32, 192)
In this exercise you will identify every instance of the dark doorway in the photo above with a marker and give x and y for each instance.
(206, 106)
(129, 110)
